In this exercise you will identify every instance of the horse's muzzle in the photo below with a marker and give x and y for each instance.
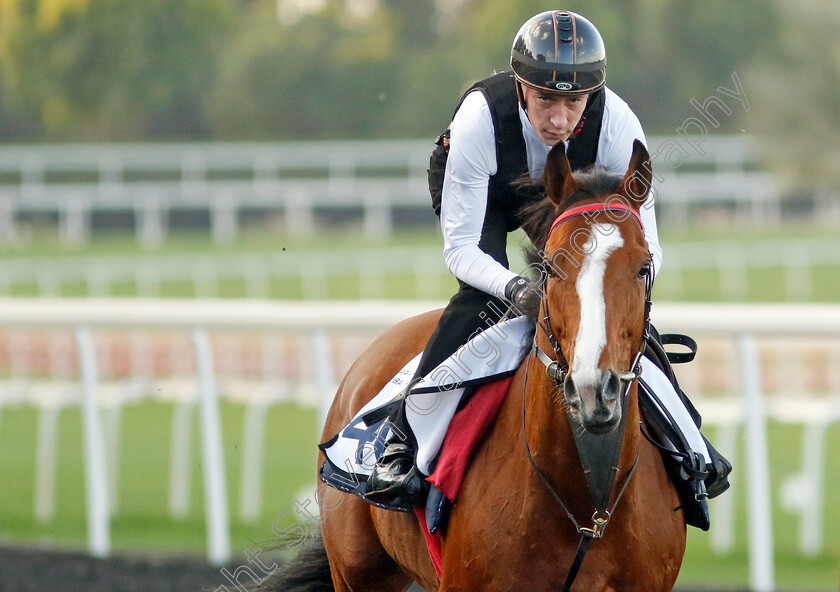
(594, 403)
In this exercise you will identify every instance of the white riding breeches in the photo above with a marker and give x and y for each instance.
(669, 399)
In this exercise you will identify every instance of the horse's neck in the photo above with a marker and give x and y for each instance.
(550, 437)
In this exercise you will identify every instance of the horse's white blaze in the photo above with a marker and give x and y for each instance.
(592, 332)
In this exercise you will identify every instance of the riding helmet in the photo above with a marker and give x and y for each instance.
(559, 51)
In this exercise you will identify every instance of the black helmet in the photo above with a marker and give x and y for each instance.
(559, 51)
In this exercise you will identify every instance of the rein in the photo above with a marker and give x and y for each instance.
(557, 369)
(601, 517)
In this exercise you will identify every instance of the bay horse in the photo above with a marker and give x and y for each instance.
(513, 524)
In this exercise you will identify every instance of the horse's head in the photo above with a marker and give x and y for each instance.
(598, 269)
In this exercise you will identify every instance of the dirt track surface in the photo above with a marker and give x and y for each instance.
(34, 570)
(28, 570)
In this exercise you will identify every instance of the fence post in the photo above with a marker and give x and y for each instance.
(223, 218)
(8, 226)
(253, 430)
(377, 216)
(322, 359)
(75, 220)
(300, 220)
(760, 520)
(45, 463)
(215, 484)
(723, 523)
(813, 475)
(96, 482)
(149, 221)
(180, 480)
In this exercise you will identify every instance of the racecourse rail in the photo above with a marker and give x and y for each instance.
(148, 182)
(746, 328)
(800, 263)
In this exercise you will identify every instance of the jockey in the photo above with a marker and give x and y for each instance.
(504, 128)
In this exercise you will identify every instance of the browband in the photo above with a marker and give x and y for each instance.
(597, 207)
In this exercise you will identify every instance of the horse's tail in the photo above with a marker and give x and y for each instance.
(308, 572)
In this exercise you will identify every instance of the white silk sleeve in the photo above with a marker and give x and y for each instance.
(471, 163)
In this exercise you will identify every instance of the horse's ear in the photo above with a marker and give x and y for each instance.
(636, 183)
(559, 181)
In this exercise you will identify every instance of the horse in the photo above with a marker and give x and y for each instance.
(520, 519)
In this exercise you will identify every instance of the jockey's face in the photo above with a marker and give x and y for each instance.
(554, 116)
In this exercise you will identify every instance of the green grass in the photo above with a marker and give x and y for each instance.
(46, 243)
(761, 284)
(142, 522)
(142, 519)
(793, 571)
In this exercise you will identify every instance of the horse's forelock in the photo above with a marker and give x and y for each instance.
(538, 216)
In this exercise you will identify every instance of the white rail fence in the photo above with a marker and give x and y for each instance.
(208, 276)
(799, 264)
(757, 362)
(224, 180)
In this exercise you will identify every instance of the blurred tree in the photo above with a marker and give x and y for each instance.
(15, 124)
(137, 69)
(415, 24)
(430, 71)
(109, 69)
(799, 108)
(688, 49)
(323, 76)
(660, 53)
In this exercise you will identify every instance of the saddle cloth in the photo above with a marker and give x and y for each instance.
(488, 357)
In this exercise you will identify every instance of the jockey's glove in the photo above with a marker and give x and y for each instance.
(523, 294)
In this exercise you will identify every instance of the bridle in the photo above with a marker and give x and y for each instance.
(557, 369)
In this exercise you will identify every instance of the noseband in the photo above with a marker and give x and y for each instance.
(557, 369)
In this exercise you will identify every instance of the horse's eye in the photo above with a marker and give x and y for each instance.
(644, 271)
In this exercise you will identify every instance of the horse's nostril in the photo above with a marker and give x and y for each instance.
(570, 393)
(609, 387)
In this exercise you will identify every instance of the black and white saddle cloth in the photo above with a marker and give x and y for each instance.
(493, 354)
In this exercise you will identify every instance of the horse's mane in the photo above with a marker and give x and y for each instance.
(538, 215)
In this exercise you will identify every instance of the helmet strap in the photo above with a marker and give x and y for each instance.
(589, 101)
(579, 127)
(521, 96)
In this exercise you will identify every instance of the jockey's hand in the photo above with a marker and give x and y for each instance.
(524, 295)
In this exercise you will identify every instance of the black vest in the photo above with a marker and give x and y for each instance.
(511, 157)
